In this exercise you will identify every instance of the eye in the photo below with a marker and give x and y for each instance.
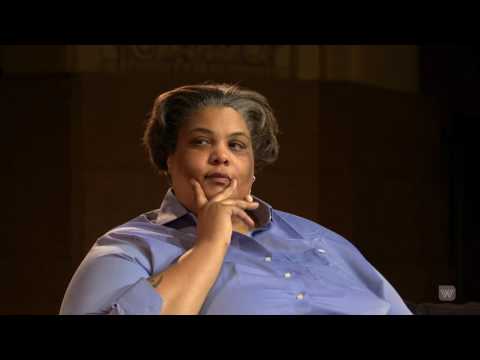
(200, 141)
(238, 145)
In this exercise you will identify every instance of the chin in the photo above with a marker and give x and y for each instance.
(212, 190)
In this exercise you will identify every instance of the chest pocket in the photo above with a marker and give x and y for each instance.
(321, 266)
(309, 258)
(244, 269)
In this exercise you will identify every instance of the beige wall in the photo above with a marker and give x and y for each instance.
(393, 67)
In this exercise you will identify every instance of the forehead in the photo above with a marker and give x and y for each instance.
(220, 120)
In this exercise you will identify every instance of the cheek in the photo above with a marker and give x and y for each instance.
(247, 175)
(192, 165)
(249, 168)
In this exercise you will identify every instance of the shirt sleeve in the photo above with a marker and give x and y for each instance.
(397, 305)
(111, 284)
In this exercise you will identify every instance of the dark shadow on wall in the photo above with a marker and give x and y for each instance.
(36, 257)
(451, 74)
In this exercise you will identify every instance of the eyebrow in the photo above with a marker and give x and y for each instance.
(210, 132)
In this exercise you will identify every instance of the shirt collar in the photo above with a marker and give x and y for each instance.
(171, 209)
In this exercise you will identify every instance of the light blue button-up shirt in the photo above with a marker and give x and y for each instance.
(287, 265)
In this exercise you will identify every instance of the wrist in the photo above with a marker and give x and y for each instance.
(212, 245)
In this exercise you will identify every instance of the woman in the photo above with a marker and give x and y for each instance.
(212, 248)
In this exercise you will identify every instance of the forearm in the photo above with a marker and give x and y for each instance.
(185, 285)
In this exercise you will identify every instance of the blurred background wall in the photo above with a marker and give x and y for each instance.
(368, 149)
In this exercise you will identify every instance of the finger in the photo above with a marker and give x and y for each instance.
(199, 195)
(227, 192)
(241, 203)
(243, 215)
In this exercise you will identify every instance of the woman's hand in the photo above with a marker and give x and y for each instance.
(214, 216)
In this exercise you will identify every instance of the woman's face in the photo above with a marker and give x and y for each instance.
(212, 140)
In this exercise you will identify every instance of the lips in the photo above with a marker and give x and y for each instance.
(219, 178)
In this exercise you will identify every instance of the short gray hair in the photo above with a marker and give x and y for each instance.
(172, 108)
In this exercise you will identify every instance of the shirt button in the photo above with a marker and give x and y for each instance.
(268, 259)
(321, 251)
(287, 275)
(300, 296)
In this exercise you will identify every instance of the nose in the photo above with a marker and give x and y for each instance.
(219, 155)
